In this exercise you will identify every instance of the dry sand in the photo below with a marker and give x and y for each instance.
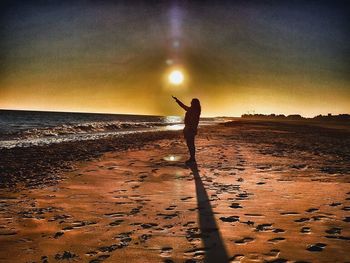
(261, 192)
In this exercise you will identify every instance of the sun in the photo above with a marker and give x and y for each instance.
(176, 77)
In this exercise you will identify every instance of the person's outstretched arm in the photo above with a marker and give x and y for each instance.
(186, 108)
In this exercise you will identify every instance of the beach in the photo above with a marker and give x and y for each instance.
(261, 191)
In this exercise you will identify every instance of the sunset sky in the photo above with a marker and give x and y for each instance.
(236, 56)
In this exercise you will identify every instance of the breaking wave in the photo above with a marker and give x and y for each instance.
(83, 128)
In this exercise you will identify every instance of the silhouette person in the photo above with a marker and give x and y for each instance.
(191, 124)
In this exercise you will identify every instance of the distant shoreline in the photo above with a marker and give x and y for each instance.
(297, 117)
(78, 112)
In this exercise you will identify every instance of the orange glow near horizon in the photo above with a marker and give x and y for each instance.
(234, 104)
(130, 59)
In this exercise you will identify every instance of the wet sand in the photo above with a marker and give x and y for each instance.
(260, 192)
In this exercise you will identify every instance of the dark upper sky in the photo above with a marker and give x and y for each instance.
(236, 56)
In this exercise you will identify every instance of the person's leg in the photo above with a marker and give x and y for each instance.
(191, 146)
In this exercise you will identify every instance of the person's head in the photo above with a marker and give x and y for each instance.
(196, 104)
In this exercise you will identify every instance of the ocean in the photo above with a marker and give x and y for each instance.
(32, 128)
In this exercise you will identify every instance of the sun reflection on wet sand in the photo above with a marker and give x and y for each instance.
(174, 127)
(172, 158)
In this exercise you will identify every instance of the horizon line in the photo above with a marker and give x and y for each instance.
(220, 116)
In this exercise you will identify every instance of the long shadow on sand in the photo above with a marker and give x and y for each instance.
(215, 249)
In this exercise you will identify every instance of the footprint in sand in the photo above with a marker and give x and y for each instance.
(338, 237)
(244, 240)
(303, 219)
(59, 217)
(335, 204)
(305, 230)
(278, 260)
(276, 240)
(273, 253)
(272, 256)
(318, 218)
(237, 258)
(193, 234)
(171, 207)
(249, 223)
(254, 215)
(111, 248)
(78, 224)
(278, 230)
(148, 225)
(7, 233)
(116, 222)
(236, 205)
(58, 234)
(99, 259)
(144, 237)
(264, 227)
(116, 214)
(124, 238)
(142, 177)
(65, 255)
(318, 247)
(168, 216)
(310, 210)
(186, 198)
(91, 253)
(166, 252)
(196, 253)
(229, 219)
(135, 210)
(289, 213)
(334, 231)
(242, 196)
(189, 223)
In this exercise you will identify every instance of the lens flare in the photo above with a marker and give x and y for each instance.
(176, 77)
